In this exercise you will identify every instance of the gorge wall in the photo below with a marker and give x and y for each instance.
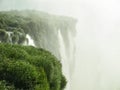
(53, 33)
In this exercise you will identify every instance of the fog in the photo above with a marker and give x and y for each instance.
(97, 40)
(98, 46)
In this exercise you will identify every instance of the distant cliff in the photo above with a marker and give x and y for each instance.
(42, 27)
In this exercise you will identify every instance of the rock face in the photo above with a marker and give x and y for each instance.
(44, 29)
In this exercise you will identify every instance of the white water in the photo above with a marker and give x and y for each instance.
(9, 36)
(30, 41)
(64, 61)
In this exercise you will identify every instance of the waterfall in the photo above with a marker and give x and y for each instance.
(64, 61)
(9, 36)
(29, 40)
(67, 59)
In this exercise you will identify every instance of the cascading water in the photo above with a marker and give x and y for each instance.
(29, 41)
(64, 61)
(66, 58)
(9, 36)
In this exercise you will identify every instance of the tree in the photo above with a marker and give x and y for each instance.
(27, 67)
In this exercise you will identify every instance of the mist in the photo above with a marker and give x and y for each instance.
(98, 46)
(97, 40)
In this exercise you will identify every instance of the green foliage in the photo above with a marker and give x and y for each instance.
(5, 86)
(22, 74)
(63, 82)
(3, 36)
(29, 68)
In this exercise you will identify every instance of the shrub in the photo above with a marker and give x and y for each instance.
(21, 74)
(30, 68)
(5, 86)
(3, 36)
(63, 82)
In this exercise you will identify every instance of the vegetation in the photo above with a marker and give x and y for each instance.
(42, 27)
(29, 68)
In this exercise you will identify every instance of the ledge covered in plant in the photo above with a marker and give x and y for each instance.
(29, 68)
(42, 27)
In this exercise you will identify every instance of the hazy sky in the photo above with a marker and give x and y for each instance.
(52, 6)
(97, 41)
(98, 45)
